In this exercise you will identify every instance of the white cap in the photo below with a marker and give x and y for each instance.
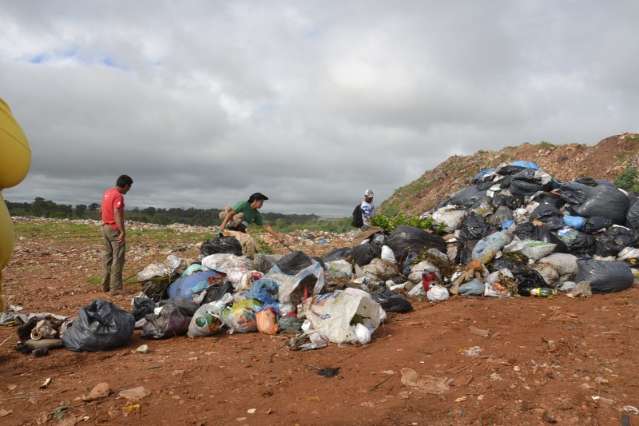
(368, 193)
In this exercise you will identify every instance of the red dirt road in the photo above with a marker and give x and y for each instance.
(545, 360)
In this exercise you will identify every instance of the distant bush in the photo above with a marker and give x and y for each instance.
(389, 223)
(628, 179)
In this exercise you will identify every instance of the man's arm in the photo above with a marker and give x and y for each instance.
(231, 213)
(119, 221)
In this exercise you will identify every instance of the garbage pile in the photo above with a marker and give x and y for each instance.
(516, 231)
(269, 294)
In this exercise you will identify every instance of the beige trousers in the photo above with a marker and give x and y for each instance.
(113, 259)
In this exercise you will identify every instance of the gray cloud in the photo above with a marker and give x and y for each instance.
(205, 102)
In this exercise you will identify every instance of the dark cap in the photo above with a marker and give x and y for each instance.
(257, 196)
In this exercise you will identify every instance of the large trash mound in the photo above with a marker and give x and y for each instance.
(605, 160)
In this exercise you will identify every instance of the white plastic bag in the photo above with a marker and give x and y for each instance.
(336, 316)
(565, 264)
(293, 287)
(532, 249)
(450, 216)
(165, 269)
(388, 254)
(233, 266)
(437, 293)
(379, 269)
(206, 320)
(339, 269)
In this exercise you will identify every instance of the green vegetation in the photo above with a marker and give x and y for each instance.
(73, 231)
(262, 246)
(389, 223)
(547, 145)
(628, 179)
(339, 225)
(94, 280)
(199, 217)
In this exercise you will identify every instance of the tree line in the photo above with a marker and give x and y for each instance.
(41, 207)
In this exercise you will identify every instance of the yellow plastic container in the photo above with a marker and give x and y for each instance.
(15, 159)
(15, 153)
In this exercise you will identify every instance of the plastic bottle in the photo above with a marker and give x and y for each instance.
(538, 292)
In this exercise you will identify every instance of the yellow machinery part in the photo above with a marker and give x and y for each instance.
(15, 154)
(15, 159)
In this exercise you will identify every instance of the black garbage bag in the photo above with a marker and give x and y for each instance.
(586, 180)
(467, 197)
(294, 262)
(100, 326)
(545, 211)
(530, 231)
(215, 292)
(339, 254)
(364, 253)
(221, 245)
(264, 262)
(602, 200)
(172, 320)
(156, 289)
(510, 201)
(549, 198)
(604, 276)
(632, 218)
(526, 276)
(596, 224)
(501, 215)
(474, 227)
(525, 184)
(142, 306)
(465, 251)
(407, 239)
(509, 170)
(392, 302)
(577, 243)
(397, 304)
(615, 239)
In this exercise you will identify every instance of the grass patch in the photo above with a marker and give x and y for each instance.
(339, 225)
(60, 231)
(94, 280)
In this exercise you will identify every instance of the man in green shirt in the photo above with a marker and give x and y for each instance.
(243, 214)
(236, 220)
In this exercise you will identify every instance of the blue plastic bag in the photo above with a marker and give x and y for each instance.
(507, 224)
(472, 288)
(186, 287)
(265, 291)
(576, 222)
(525, 164)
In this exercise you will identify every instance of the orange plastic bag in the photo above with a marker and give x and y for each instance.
(267, 321)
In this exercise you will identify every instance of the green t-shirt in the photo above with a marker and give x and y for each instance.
(251, 215)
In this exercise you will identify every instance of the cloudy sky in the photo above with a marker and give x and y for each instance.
(310, 102)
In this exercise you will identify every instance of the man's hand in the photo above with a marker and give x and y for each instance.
(121, 237)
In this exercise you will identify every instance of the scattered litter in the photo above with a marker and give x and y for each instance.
(143, 349)
(473, 351)
(134, 394)
(425, 383)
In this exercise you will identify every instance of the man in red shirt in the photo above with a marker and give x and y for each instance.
(114, 234)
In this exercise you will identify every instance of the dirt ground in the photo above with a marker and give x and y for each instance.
(539, 361)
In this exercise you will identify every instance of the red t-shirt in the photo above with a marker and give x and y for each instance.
(111, 200)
